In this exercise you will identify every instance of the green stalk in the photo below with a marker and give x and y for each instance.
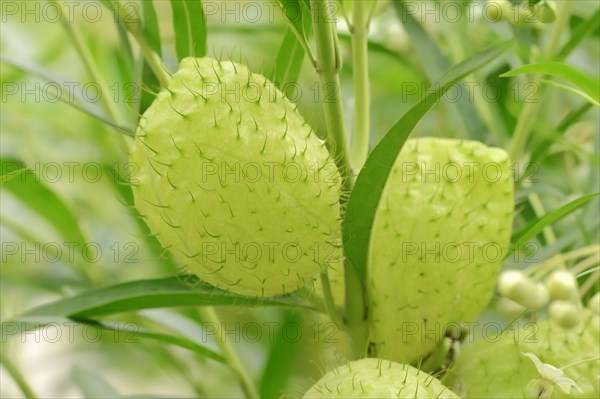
(133, 27)
(233, 360)
(329, 302)
(529, 112)
(589, 283)
(153, 60)
(360, 59)
(328, 67)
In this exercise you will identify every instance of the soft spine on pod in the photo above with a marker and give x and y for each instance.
(234, 182)
(439, 236)
(378, 378)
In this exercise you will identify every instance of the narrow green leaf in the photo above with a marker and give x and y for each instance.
(148, 294)
(534, 227)
(125, 54)
(30, 190)
(580, 33)
(293, 11)
(189, 24)
(150, 83)
(280, 362)
(121, 331)
(370, 183)
(288, 61)
(573, 90)
(10, 168)
(150, 26)
(587, 84)
(165, 338)
(198, 28)
(92, 110)
(294, 46)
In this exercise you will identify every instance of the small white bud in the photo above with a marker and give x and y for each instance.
(562, 285)
(538, 296)
(515, 285)
(565, 314)
(509, 281)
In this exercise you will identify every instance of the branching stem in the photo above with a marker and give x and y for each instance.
(328, 67)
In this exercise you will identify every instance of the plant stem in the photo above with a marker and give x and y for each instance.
(329, 302)
(539, 270)
(209, 315)
(360, 60)
(131, 23)
(16, 375)
(328, 67)
(529, 112)
(538, 209)
(589, 283)
(524, 124)
(153, 60)
(590, 359)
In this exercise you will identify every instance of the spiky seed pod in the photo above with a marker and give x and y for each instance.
(234, 182)
(439, 236)
(562, 285)
(378, 378)
(564, 313)
(494, 366)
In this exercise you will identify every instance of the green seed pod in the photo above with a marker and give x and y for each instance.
(378, 378)
(234, 183)
(565, 314)
(439, 236)
(494, 366)
(562, 285)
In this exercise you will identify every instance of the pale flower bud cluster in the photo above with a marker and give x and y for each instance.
(559, 291)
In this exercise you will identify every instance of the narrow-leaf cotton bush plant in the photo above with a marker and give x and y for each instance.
(394, 204)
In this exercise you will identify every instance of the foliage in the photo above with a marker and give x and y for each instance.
(78, 259)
